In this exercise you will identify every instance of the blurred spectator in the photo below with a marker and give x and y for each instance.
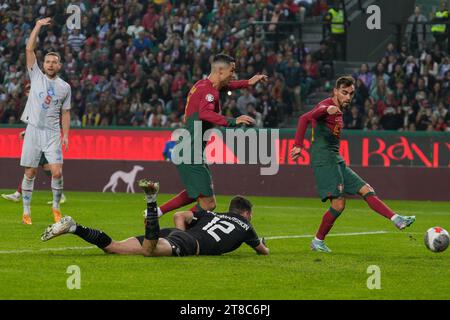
(244, 100)
(91, 116)
(364, 75)
(391, 119)
(324, 58)
(337, 29)
(353, 119)
(252, 112)
(135, 29)
(438, 29)
(76, 40)
(416, 31)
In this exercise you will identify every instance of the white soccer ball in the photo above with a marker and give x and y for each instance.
(437, 239)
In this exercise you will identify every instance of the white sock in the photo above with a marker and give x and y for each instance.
(73, 228)
(17, 194)
(394, 216)
(315, 238)
(160, 213)
(27, 193)
(57, 189)
(151, 197)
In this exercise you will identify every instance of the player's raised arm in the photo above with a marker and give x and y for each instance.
(207, 113)
(30, 55)
(243, 84)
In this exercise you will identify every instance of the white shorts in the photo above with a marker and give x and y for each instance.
(41, 141)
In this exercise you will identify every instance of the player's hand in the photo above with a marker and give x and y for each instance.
(43, 22)
(22, 135)
(332, 110)
(65, 143)
(245, 120)
(295, 153)
(257, 78)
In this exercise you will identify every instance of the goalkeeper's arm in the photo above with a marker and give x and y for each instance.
(261, 248)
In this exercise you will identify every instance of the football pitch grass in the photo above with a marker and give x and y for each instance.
(31, 269)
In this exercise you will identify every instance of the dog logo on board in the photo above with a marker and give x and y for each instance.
(128, 177)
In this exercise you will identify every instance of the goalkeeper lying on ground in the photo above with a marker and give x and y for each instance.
(199, 233)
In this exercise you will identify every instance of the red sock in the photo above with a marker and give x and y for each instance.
(176, 202)
(327, 223)
(379, 206)
(19, 188)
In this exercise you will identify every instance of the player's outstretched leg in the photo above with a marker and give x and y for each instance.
(377, 205)
(151, 189)
(401, 222)
(152, 229)
(63, 226)
(68, 225)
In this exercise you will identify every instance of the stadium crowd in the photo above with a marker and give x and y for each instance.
(133, 62)
(403, 91)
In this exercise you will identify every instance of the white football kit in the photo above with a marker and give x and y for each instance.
(42, 114)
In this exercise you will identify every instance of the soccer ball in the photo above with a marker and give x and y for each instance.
(437, 239)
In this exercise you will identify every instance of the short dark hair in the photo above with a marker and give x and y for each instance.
(239, 205)
(344, 81)
(222, 57)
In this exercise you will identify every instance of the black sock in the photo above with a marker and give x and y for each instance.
(152, 208)
(97, 237)
(152, 222)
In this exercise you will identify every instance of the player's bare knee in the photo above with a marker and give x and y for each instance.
(370, 189)
(30, 173)
(57, 175)
(338, 204)
(366, 189)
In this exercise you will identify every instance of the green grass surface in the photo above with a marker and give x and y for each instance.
(31, 269)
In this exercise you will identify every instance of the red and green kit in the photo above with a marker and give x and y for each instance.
(203, 107)
(333, 177)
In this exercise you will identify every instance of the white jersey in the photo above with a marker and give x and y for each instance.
(46, 99)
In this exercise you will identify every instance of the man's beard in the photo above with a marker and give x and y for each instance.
(50, 74)
(344, 105)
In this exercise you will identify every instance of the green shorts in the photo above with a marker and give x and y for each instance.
(197, 180)
(336, 180)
